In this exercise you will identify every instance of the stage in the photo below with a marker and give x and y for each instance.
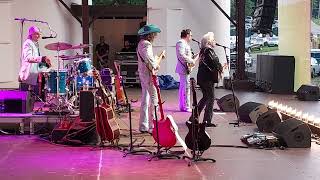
(30, 157)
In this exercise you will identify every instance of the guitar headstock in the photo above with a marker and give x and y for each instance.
(96, 74)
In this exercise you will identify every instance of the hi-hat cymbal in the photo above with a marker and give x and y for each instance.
(81, 46)
(58, 46)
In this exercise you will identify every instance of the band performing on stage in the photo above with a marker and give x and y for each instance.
(59, 89)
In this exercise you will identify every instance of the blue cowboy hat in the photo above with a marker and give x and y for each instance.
(147, 29)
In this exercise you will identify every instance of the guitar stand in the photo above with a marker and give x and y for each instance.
(196, 157)
(130, 149)
(196, 154)
(161, 154)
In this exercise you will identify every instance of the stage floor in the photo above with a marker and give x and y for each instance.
(25, 157)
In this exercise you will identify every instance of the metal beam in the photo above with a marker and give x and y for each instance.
(240, 73)
(223, 12)
(70, 11)
(85, 24)
(104, 11)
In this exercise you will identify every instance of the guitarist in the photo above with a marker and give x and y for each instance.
(185, 61)
(209, 71)
(147, 65)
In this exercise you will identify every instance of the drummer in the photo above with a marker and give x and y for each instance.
(32, 63)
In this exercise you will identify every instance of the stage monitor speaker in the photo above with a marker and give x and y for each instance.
(256, 112)
(227, 103)
(86, 106)
(245, 109)
(263, 16)
(267, 121)
(308, 93)
(293, 133)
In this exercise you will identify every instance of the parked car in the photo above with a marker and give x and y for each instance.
(315, 53)
(315, 67)
(257, 43)
(273, 41)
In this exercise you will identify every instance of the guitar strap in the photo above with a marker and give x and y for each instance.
(184, 65)
(144, 61)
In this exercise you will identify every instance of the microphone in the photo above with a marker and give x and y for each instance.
(48, 37)
(217, 44)
(195, 41)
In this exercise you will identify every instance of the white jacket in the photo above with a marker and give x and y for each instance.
(145, 51)
(29, 63)
(184, 56)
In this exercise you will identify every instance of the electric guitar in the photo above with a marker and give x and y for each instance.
(190, 66)
(198, 133)
(121, 98)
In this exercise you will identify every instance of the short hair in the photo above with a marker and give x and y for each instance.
(185, 32)
(207, 39)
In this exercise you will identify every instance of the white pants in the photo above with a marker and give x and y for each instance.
(147, 113)
(184, 92)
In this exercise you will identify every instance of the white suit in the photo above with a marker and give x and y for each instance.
(184, 56)
(29, 63)
(148, 89)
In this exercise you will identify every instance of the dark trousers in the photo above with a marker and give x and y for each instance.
(207, 100)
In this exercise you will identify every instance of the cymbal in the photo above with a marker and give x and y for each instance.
(81, 46)
(77, 56)
(58, 46)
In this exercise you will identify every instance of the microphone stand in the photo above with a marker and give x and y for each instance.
(22, 21)
(237, 123)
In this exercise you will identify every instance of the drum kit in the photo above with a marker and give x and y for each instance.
(63, 85)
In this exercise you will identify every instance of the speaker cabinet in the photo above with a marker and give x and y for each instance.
(267, 121)
(293, 133)
(245, 109)
(16, 101)
(277, 72)
(86, 106)
(256, 112)
(227, 103)
(263, 16)
(308, 93)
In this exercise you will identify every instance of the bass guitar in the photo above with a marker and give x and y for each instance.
(106, 124)
(197, 138)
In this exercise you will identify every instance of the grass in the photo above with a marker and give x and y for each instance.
(265, 49)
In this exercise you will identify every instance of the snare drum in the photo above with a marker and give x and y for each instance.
(84, 65)
(87, 80)
(52, 81)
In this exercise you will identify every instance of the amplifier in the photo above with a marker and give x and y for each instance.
(14, 101)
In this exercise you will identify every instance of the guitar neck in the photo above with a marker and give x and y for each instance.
(194, 97)
(155, 83)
